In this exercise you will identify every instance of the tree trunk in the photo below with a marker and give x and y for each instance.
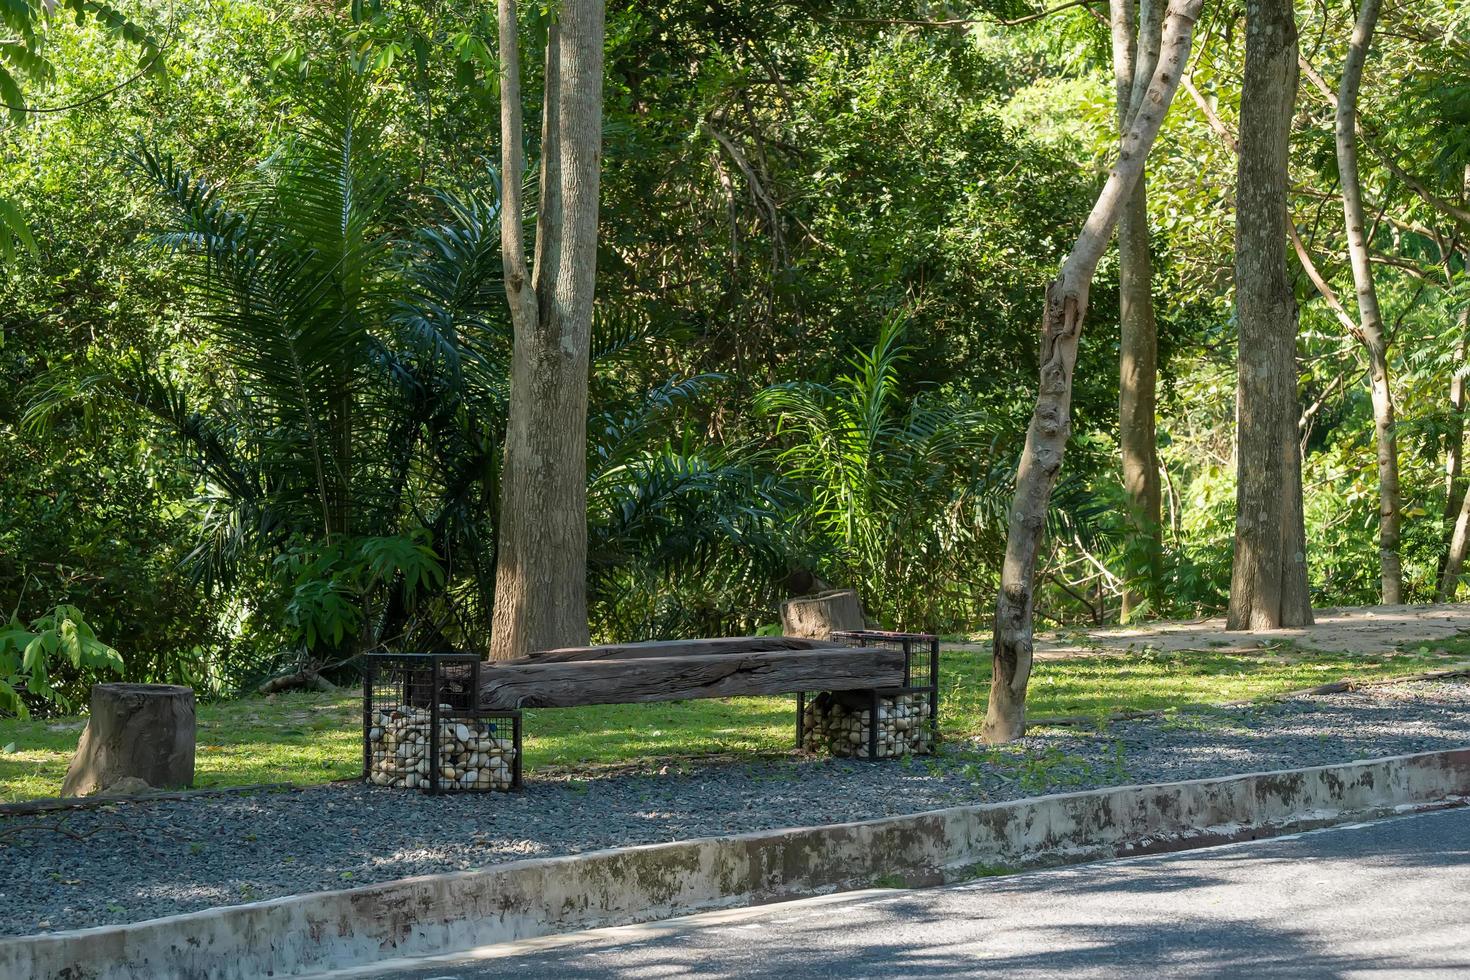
(1046, 437)
(541, 566)
(1449, 582)
(1370, 319)
(1135, 55)
(134, 732)
(1455, 525)
(1137, 400)
(1268, 584)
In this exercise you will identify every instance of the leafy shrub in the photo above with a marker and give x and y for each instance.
(52, 662)
(906, 497)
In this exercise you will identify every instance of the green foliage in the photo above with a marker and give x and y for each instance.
(32, 656)
(26, 61)
(1034, 771)
(683, 538)
(354, 379)
(95, 527)
(327, 585)
(904, 493)
(347, 376)
(13, 232)
(263, 353)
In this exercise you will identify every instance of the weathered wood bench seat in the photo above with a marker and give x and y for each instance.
(450, 722)
(685, 669)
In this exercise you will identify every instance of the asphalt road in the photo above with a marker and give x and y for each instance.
(1390, 898)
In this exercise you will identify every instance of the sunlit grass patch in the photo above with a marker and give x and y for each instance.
(313, 738)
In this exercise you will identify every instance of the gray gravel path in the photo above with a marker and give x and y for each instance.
(142, 860)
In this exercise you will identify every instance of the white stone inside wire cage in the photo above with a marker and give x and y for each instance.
(474, 753)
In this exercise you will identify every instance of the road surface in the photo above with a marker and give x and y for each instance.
(1390, 898)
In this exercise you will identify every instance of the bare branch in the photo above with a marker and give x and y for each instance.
(1369, 136)
(1328, 294)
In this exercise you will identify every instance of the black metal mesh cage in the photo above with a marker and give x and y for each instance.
(881, 723)
(920, 653)
(423, 728)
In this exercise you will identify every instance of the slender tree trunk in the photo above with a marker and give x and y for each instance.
(541, 568)
(1449, 581)
(1456, 518)
(1454, 489)
(1268, 585)
(1135, 55)
(1370, 319)
(1046, 438)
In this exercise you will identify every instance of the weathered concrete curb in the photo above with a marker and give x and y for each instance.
(524, 899)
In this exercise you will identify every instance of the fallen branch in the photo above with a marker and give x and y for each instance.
(306, 678)
(1080, 721)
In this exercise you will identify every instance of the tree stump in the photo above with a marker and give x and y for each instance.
(143, 731)
(818, 615)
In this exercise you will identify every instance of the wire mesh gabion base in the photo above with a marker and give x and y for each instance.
(881, 724)
(839, 724)
(422, 729)
(472, 753)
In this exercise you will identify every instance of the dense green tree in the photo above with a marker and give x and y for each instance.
(779, 184)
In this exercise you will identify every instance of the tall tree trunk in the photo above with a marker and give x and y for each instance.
(541, 568)
(1455, 439)
(1370, 319)
(1137, 401)
(1136, 43)
(1456, 518)
(1046, 438)
(1449, 582)
(1268, 584)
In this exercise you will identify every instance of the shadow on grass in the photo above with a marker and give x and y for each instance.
(311, 738)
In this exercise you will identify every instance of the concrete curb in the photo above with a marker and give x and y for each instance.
(524, 899)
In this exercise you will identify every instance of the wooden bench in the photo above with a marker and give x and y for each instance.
(450, 722)
(861, 682)
(684, 670)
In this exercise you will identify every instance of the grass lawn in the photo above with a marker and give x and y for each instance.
(309, 738)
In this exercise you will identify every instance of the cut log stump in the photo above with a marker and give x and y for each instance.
(135, 732)
(817, 616)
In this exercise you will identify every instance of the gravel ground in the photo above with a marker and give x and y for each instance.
(140, 861)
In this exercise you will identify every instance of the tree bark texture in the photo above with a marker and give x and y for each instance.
(1136, 35)
(1046, 437)
(1449, 582)
(1370, 319)
(1456, 518)
(1268, 584)
(134, 731)
(541, 566)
